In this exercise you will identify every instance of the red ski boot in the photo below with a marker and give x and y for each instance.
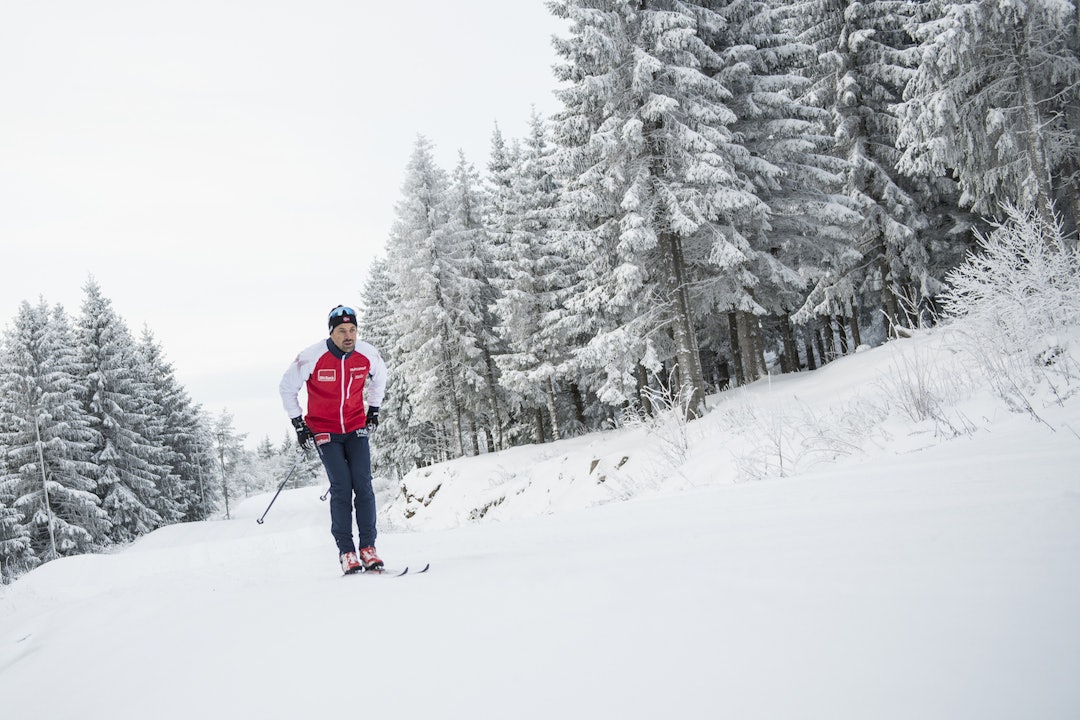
(350, 563)
(369, 559)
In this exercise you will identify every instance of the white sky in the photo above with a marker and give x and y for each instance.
(227, 169)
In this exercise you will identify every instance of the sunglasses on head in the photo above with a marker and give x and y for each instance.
(342, 310)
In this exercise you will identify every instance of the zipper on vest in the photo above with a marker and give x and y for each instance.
(341, 406)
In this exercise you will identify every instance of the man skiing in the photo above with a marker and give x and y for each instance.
(336, 372)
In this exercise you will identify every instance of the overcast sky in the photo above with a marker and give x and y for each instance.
(227, 169)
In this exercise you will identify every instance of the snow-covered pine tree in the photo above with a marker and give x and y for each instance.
(790, 163)
(129, 464)
(995, 100)
(532, 276)
(468, 240)
(16, 555)
(16, 549)
(46, 474)
(434, 303)
(654, 177)
(864, 60)
(265, 450)
(399, 445)
(150, 371)
(235, 475)
(181, 427)
(524, 414)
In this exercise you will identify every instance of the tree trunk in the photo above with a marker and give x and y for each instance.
(474, 437)
(759, 345)
(808, 343)
(736, 349)
(830, 341)
(823, 355)
(549, 392)
(538, 426)
(579, 404)
(493, 399)
(753, 365)
(641, 379)
(1037, 158)
(790, 350)
(723, 374)
(439, 444)
(853, 323)
(841, 334)
(456, 411)
(889, 302)
(692, 383)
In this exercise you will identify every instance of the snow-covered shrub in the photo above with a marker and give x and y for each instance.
(666, 419)
(781, 440)
(926, 389)
(1019, 298)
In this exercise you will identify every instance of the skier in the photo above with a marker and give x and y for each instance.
(336, 372)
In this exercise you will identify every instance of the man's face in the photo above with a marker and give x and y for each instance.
(344, 336)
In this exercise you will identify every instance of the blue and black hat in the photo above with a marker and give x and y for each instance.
(341, 314)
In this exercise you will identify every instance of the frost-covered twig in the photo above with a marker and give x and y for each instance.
(667, 420)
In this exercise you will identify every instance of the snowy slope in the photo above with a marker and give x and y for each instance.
(913, 576)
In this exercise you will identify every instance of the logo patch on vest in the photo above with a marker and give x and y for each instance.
(326, 375)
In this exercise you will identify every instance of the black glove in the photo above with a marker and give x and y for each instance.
(304, 436)
(372, 420)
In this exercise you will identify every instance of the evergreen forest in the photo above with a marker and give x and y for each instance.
(730, 189)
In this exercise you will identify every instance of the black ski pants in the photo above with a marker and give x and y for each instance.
(347, 459)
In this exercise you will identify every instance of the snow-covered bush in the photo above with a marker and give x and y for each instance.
(1019, 298)
(926, 387)
(666, 417)
(788, 438)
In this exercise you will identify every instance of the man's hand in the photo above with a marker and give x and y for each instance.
(372, 420)
(304, 436)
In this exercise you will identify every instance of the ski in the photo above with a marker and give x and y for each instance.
(386, 572)
(390, 572)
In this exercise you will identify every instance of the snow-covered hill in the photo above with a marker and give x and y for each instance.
(813, 548)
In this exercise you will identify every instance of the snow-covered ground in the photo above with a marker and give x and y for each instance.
(819, 546)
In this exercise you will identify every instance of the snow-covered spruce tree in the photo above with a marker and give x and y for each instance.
(790, 162)
(182, 429)
(532, 276)
(129, 463)
(235, 471)
(398, 447)
(865, 58)
(47, 475)
(16, 547)
(435, 311)
(16, 556)
(265, 450)
(149, 361)
(652, 183)
(469, 242)
(525, 418)
(995, 100)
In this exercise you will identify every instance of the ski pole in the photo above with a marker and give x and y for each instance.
(318, 449)
(296, 464)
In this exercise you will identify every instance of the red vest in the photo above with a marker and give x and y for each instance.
(335, 386)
